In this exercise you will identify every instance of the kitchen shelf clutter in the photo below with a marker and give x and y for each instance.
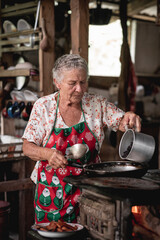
(31, 73)
(22, 37)
(25, 75)
(19, 45)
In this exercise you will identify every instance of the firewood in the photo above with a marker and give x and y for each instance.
(144, 233)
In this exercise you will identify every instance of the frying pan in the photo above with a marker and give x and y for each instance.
(113, 169)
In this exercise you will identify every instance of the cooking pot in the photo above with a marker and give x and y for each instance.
(113, 169)
(136, 146)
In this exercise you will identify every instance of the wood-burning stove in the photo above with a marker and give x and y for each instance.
(106, 204)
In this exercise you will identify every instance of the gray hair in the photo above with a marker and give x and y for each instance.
(68, 62)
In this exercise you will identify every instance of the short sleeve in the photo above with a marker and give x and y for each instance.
(112, 115)
(35, 129)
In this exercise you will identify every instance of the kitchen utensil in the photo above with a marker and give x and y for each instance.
(75, 152)
(32, 37)
(44, 42)
(136, 146)
(22, 24)
(115, 169)
(9, 27)
(50, 234)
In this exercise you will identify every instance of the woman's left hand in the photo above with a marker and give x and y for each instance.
(130, 120)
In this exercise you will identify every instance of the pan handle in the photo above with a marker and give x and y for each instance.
(72, 164)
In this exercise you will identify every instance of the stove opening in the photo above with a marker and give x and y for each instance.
(146, 222)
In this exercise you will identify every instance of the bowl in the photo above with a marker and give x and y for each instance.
(9, 27)
(23, 25)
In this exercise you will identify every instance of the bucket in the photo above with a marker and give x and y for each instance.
(4, 220)
(136, 146)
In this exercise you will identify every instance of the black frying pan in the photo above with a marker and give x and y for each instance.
(113, 169)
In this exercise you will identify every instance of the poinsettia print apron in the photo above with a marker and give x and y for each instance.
(54, 198)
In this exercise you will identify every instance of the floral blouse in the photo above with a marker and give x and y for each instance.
(97, 110)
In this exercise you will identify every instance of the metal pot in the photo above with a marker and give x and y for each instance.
(135, 146)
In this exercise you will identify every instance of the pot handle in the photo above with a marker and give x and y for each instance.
(127, 128)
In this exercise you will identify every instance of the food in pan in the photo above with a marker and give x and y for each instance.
(59, 226)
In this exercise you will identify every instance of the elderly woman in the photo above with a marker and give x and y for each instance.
(60, 120)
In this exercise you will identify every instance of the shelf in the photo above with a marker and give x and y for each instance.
(14, 40)
(18, 72)
(19, 9)
(148, 75)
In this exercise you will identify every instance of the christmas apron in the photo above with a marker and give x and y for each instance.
(55, 199)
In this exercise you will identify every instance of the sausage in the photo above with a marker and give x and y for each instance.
(42, 229)
(52, 226)
(65, 229)
(59, 230)
(74, 228)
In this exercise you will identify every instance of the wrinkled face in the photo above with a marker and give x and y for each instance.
(73, 85)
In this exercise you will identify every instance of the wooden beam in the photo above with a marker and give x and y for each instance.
(47, 58)
(102, 82)
(18, 41)
(16, 185)
(158, 13)
(79, 27)
(20, 12)
(144, 18)
(15, 73)
(18, 7)
(134, 7)
(19, 33)
(19, 49)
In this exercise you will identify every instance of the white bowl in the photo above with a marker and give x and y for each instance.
(23, 25)
(9, 27)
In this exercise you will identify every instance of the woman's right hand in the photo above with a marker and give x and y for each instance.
(56, 159)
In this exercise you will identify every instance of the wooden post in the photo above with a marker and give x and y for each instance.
(122, 94)
(158, 13)
(79, 27)
(22, 210)
(46, 58)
